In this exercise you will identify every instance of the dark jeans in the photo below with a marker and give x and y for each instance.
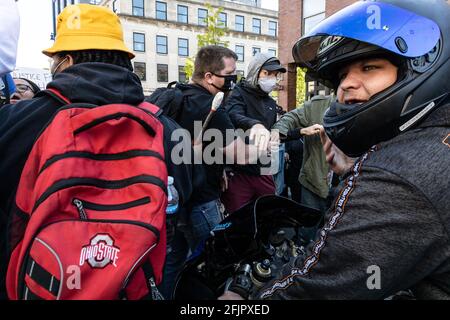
(278, 178)
(312, 200)
(192, 230)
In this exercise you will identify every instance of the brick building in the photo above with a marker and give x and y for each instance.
(295, 18)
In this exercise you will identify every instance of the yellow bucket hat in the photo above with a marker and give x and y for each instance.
(88, 27)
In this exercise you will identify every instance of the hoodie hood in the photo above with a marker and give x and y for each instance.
(98, 83)
(255, 66)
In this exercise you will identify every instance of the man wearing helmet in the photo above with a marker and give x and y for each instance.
(388, 136)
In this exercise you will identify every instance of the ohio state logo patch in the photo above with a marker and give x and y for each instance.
(100, 252)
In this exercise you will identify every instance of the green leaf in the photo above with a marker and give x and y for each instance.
(215, 31)
(301, 86)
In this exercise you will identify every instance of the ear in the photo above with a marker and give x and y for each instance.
(69, 61)
(208, 77)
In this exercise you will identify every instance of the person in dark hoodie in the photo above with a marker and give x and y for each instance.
(252, 108)
(87, 67)
(388, 230)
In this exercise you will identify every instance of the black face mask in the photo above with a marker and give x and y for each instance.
(230, 82)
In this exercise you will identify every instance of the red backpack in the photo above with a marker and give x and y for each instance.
(91, 200)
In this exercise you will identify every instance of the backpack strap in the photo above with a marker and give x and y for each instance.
(43, 278)
(155, 110)
(57, 95)
(172, 84)
(154, 293)
(65, 101)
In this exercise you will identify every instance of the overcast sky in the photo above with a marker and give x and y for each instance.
(270, 4)
(36, 27)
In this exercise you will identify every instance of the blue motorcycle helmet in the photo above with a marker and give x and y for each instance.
(413, 35)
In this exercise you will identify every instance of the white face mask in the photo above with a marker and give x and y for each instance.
(267, 84)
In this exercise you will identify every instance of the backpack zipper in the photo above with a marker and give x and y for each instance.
(82, 205)
(104, 184)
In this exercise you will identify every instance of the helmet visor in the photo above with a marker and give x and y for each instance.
(384, 25)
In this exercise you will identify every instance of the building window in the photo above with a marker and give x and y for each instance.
(272, 28)
(256, 25)
(222, 20)
(202, 17)
(256, 50)
(182, 75)
(239, 23)
(182, 14)
(140, 70)
(162, 72)
(161, 10)
(138, 8)
(239, 50)
(161, 44)
(311, 22)
(272, 52)
(313, 13)
(138, 42)
(183, 47)
(240, 74)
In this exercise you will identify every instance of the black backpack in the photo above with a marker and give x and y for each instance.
(169, 99)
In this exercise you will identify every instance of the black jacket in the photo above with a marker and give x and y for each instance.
(248, 106)
(392, 216)
(20, 124)
(196, 106)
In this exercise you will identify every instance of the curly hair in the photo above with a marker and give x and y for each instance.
(118, 58)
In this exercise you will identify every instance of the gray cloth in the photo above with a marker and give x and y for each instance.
(393, 213)
(254, 68)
